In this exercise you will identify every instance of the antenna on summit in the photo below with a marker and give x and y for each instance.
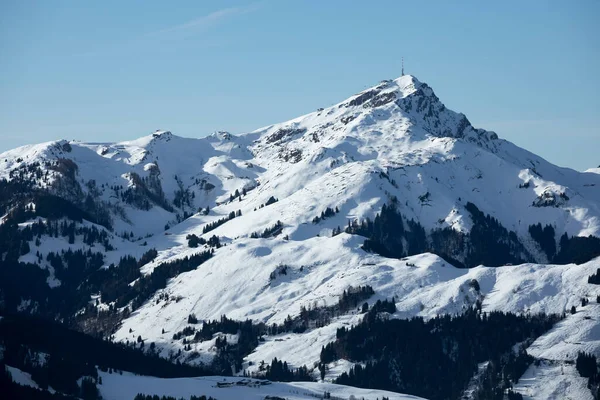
(402, 66)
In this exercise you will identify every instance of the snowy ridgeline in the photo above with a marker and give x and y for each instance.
(395, 139)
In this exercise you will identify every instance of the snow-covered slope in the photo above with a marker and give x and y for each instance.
(237, 282)
(168, 176)
(550, 380)
(394, 139)
(126, 386)
(393, 142)
(402, 129)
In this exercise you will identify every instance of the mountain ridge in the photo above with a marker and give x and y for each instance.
(398, 129)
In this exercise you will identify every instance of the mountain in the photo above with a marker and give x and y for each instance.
(393, 140)
(385, 196)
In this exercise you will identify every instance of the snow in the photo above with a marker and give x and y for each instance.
(395, 139)
(593, 170)
(302, 349)
(20, 377)
(56, 244)
(552, 380)
(127, 386)
(578, 332)
(236, 283)
(343, 149)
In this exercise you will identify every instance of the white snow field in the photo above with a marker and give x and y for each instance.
(555, 376)
(126, 386)
(553, 381)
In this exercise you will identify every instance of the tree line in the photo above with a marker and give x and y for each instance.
(392, 235)
(436, 358)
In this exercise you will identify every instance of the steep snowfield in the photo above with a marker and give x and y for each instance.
(579, 332)
(551, 380)
(555, 376)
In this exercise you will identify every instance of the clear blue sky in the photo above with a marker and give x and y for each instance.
(116, 70)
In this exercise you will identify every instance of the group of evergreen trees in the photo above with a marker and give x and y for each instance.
(545, 237)
(270, 200)
(21, 189)
(316, 316)
(280, 371)
(194, 241)
(237, 194)
(14, 391)
(147, 285)
(587, 366)
(15, 240)
(70, 355)
(595, 278)
(577, 249)
(183, 196)
(269, 232)
(228, 354)
(144, 192)
(79, 272)
(28, 282)
(489, 243)
(215, 224)
(435, 359)
(329, 212)
(352, 297)
(80, 275)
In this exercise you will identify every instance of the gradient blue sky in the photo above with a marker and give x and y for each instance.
(116, 70)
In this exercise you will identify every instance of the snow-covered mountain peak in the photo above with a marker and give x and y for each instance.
(220, 135)
(151, 139)
(407, 83)
(397, 130)
(402, 86)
